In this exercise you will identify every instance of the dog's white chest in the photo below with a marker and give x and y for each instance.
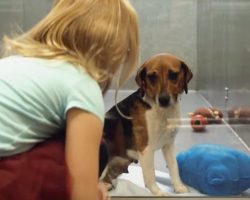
(162, 125)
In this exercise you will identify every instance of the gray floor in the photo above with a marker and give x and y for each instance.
(236, 98)
(240, 98)
(243, 130)
(215, 134)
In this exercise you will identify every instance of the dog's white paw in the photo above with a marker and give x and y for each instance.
(161, 193)
(157, 191)
(180, 188)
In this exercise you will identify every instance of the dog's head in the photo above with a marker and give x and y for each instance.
(162, 78)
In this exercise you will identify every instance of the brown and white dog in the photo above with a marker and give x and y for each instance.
(155, 117)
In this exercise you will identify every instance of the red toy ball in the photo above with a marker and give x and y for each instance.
(198, 123)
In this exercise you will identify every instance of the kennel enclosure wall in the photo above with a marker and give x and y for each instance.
(211, 36)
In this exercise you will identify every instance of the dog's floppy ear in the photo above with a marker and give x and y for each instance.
(141, 79)
(188, 75)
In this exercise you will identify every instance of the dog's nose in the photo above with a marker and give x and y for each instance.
(164, 100)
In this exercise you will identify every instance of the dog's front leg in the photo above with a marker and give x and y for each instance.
(146, 159)
(168, 151)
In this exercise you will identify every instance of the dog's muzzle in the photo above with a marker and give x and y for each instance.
(164, 100)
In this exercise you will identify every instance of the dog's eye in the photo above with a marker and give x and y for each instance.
(152, 77)
(172, 75)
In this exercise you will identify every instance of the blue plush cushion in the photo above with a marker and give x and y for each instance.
(215, 169)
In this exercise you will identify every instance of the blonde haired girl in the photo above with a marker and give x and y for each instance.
(97, 35)
(55, 75)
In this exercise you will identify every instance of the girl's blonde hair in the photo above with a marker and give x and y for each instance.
(99, 35)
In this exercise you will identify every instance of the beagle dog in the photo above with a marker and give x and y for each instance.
(154, 113)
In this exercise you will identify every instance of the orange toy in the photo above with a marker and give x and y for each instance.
(239, 115)
(213, 115)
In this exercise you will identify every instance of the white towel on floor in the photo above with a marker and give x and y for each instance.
(131, 184)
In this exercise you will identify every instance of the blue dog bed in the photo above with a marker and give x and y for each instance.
(215, 170)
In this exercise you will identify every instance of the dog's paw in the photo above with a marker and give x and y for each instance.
(108, 186)
(155, 190)
(180, 188)
(161, 193)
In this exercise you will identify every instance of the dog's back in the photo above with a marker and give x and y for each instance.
(118, 131)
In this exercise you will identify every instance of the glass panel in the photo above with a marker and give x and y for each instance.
(223, 59)
(212, 38)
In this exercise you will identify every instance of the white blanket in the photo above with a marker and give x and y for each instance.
(131, 184)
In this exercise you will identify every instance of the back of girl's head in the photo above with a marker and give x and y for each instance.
(99, 35)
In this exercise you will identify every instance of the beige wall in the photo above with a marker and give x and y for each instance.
(224, 52)
(168, 26)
